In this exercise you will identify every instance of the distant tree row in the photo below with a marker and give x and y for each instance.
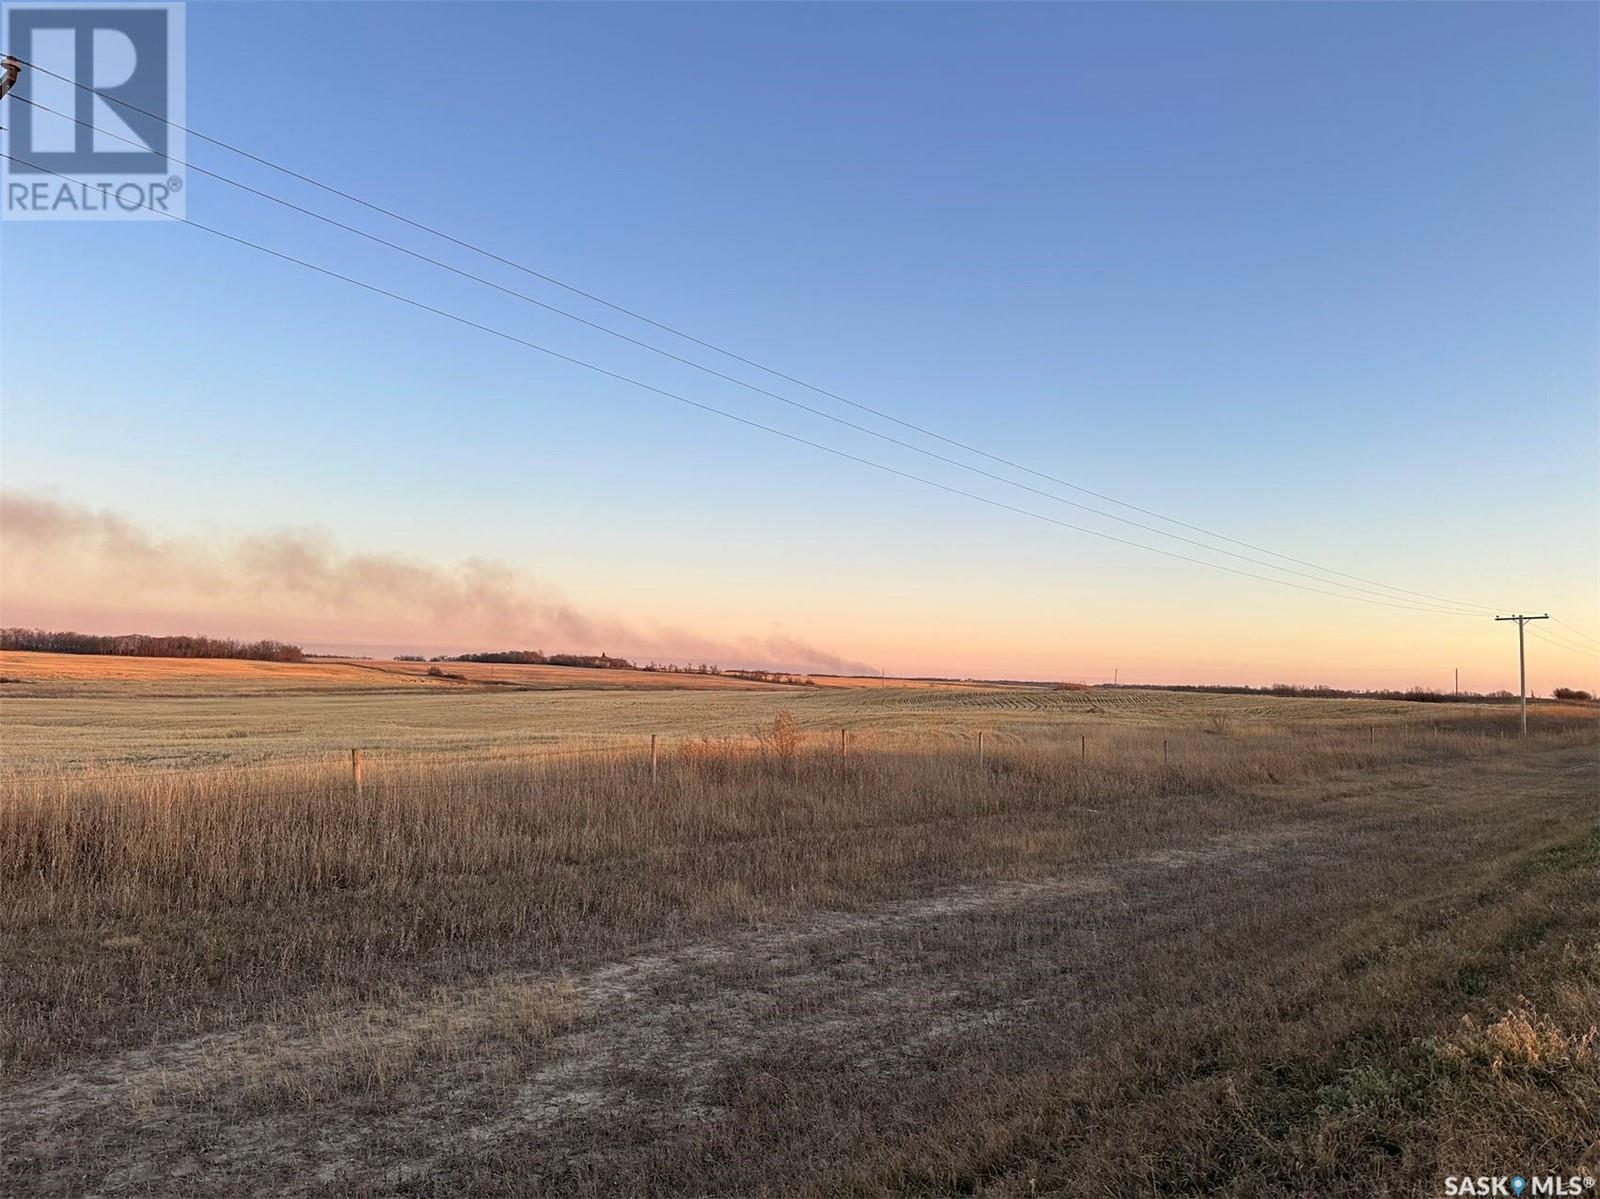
(1415, 694)
(138, 645)
(532, 657)
(769, 676)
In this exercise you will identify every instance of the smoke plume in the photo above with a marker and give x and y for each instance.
(65, 565)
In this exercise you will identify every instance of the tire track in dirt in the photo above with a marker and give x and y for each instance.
(665, 1021)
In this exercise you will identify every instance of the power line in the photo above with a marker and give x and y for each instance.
(1556, 639)
(926, 432)
(704, 407)
(1574, 629)
(1568, 642)
(730, 378)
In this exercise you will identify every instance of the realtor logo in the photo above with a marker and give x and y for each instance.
(98, 101)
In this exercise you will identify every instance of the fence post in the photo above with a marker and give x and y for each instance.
(980, 749)
(355, 769)
(1163, 751)
(652, 759)
(1083, 749)
(844, 743)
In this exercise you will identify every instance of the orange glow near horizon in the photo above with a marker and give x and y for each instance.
(70, 567)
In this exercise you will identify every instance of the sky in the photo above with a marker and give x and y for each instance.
(1318, 277)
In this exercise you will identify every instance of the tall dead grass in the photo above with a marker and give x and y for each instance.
(140, 901)
(122, 840)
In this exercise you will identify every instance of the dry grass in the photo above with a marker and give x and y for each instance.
(1333, 1040)
(320, 1059)
(1219, 948)
(449, 864)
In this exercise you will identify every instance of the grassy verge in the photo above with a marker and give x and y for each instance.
(1290, 965)
(1444, 1039)
(165, 905)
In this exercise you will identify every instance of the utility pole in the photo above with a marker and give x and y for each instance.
(10, 68)
(1522, 665)
(1458, 680)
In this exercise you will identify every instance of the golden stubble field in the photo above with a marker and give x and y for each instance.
(1164, 943)
(74, 712)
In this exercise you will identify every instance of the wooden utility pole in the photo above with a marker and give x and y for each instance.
(1522, 665)
(10, 68)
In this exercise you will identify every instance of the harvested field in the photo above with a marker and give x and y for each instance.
(1171, 942)
(38, 675)
(235, 714)
(29, 675)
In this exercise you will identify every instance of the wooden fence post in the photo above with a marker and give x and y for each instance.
(980, 749)
(844, 743)
(1163, 751)
(355, 769)
(1083, 749)
(652, 759)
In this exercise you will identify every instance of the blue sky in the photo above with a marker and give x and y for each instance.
(1319, 276)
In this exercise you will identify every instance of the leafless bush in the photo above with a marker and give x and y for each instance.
(780, 740)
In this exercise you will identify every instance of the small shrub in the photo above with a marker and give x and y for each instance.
(1522, 1040)
(781, 738)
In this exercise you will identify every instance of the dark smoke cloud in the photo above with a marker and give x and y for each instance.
(60, 560)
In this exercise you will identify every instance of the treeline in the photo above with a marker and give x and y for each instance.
(769, 676)
(532, 657)
(138, 645)
(1415, 694)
